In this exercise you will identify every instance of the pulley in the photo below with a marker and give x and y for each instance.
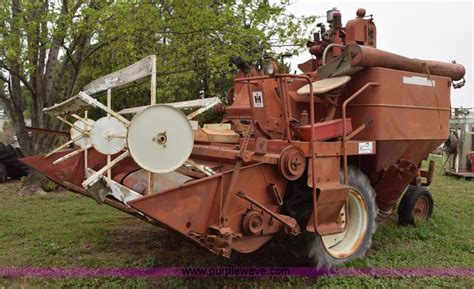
(292, 163)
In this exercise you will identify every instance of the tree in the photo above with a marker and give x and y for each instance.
(193, 41)
(43, 46)
(49, 49)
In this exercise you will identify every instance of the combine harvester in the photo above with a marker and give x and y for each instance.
(313, 156)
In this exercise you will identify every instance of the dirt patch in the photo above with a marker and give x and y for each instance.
(10, 187)
(136, 237)
(167, 247)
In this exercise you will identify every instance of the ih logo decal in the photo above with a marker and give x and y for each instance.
(257, 99)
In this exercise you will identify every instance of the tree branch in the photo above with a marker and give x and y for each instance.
(93, 48)
(68, 50)
(21, 77)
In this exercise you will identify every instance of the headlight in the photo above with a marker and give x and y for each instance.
(270, 67)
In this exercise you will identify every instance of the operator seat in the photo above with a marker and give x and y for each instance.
(328, 90)
(324, 85)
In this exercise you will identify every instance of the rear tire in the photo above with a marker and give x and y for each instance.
(332, 250)
(415, 205)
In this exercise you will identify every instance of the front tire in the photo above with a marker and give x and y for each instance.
(336, 249)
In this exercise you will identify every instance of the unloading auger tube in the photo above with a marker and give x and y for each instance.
(365, 56)
(314, 157)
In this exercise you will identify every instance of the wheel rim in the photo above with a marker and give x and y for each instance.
(421, 208)
(344, 244)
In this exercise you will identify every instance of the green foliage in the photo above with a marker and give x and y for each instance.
(49, 186)
(193, 41)
(51, 49)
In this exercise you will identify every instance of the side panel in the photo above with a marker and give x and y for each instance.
(195, 206)
(403, 107)
(410, 119)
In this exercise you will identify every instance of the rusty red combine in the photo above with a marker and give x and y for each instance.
(313, 156)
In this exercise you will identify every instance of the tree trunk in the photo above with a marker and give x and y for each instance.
(33, 184)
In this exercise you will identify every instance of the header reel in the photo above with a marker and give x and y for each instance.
(159, 138)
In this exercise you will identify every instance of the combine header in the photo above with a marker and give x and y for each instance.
(314, 156)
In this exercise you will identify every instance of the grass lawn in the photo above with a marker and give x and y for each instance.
(68, 230)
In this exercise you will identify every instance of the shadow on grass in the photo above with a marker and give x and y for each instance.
(153, 246)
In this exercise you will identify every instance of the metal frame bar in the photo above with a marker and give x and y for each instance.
(109, 106)
(86, 154)
(95, 177)
(344, 128)
(230, 190)
(250, 93)
(202, 109)
(71, 124)
(64, 145)
(95, 103)
(153, 81)
(79, 118)
(282, 84)
(70, 155)
(284, 94)
(151, 176)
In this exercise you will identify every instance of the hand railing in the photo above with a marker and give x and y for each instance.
(344, 128)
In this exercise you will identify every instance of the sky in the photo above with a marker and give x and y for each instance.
(431, 30)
